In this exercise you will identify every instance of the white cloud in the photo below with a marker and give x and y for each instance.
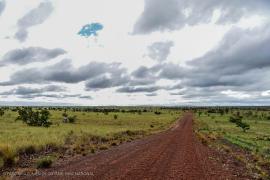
(115, 43)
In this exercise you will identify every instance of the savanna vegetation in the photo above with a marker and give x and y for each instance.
(55, 132)
(47, 134)
(243, 132)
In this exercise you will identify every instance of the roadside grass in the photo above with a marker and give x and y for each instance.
(256, 140)
(90, 132)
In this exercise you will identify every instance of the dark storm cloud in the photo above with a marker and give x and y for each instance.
(21, 90)
(85, 97)
(145, 75)
(104, 81)
(83, 73)
(176, 86)
(239, 60)
(2, 6)
(141, 72)
(132, 89)
(55, 96)
(159, 51)
(31, 54)
(98, 75)
(151, 94)
(141, 77)
(34, 17)
(49, 91)
(240, 51)
(240, 63)
(144, 72)
(161, 15)
(172, 71)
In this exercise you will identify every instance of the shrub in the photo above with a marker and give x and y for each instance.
(44, 162)
(239, 123)
(93, 150)
(65, 117)
(157, 112)
(103, 147)
(9, 161)
(8, 157)
(243, 125)
(69, 119)
(234, 119)
(267, 151)
(34, 118)
(114, 143)
(72, 119)
(115, 116)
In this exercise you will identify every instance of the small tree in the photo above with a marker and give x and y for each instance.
(44, 117)
(34, 118)
(2, 112)
(115, 116)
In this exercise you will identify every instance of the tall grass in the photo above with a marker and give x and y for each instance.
(16, 137)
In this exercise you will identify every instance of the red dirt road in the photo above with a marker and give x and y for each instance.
(174, 154)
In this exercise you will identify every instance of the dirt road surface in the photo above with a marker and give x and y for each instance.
(174, 154)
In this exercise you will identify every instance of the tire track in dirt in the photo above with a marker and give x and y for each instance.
(174, 154)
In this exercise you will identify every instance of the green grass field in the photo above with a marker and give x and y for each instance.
(16, 136)
(256, 140)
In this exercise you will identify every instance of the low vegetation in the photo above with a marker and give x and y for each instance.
(75, 130)
(239, 123)
(44, 162)
(246, 129)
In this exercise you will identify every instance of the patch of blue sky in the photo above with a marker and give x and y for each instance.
(90, 29)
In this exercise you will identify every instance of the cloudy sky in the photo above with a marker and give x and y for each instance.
(149, 52)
